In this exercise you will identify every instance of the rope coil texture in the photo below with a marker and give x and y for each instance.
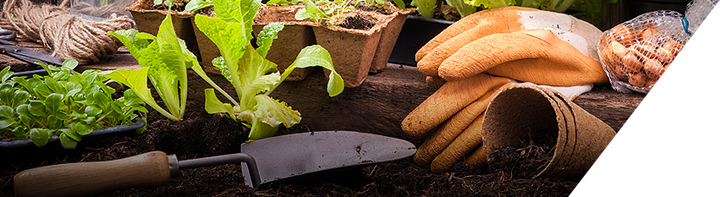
(68, 35)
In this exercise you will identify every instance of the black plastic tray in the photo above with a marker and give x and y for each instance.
(416, 31)
(136, 124)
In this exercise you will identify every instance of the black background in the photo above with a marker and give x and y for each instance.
(669, 146)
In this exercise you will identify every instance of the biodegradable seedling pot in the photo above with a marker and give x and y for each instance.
(389, 37)
(294, 37)
(352, 50)
(520, 112)
(148, 21)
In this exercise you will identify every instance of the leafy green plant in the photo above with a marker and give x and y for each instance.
(188, 5)
(325, 11)
(329, 12)
(164, 62)
(63, 103)
(252, 76)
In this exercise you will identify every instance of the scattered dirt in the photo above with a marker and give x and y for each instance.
(201, 135)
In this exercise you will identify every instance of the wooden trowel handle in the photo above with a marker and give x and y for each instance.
(75, 179)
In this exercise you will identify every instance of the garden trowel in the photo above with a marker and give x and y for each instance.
(263, 161)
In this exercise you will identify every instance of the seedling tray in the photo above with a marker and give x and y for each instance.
(137, 123)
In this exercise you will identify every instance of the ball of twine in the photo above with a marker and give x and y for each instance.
(70, 36)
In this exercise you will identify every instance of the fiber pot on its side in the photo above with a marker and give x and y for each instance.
(148, 20)
(523, 115)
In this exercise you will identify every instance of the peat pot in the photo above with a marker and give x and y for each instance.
(148, 20)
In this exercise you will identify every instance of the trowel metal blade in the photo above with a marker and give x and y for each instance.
(292, 155)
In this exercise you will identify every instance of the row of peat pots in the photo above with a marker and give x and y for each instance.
(355, 52)
(394, 38)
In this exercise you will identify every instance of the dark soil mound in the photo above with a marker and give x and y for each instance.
(357, 22)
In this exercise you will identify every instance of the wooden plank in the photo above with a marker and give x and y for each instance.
(381, 103)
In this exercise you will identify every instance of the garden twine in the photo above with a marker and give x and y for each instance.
(70, 36)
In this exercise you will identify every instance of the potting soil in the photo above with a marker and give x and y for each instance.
(357, 22)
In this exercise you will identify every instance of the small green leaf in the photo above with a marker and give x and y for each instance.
(7, 123)
(37, 108)
(40, 136)
(72, 134)
(42, 90)
(194, 5)
(311, 8)
(73, 88)
(316, 55)
(55, 122)
(7, 92)
(5, 74)
(54, 103)
(81, 129)
(92, 111)
(67, 141)
(55, 87)
(7, 112)
(400, 4)
(21, 97)
(302, 14)
(70, 64)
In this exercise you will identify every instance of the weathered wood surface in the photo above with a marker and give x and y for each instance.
(380, 103)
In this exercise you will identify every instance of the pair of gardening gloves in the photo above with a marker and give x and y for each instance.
(484, 53)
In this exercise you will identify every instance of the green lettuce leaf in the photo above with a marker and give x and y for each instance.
(267, 35)
(274, 112)
(316, 55)
(426, 8)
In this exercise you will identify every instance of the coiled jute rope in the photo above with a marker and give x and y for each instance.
(69, 35)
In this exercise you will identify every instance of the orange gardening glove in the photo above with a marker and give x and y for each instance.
(519, 43)
(476, 57)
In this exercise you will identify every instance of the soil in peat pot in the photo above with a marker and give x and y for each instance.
(201, 135)
(357, 22)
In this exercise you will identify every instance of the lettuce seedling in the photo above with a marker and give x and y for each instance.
(164, 62)
(194, 5)
(63, 103)
(252, 76)
(324, 11)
